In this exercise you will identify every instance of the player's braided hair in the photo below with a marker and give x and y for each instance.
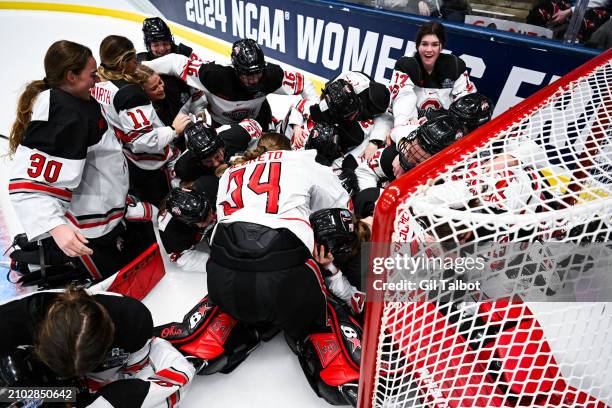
(267, 142)
(61, 57)
(115, 52)
(75, 335)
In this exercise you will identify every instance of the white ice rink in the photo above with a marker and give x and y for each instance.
(271, 376)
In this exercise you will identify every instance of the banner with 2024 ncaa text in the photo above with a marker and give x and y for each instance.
(327, 38)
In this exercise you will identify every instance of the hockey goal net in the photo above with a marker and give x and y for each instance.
(528, 195)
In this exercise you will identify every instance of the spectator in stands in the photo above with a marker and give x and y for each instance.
(421, 7)
(558, 12)
(455, 10)
(602, 38)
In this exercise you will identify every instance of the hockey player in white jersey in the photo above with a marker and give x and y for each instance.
(238, 91)
(261, 250)
(148, 143)
(69, 178)
(429, 80)
(101, 342)
(351, 101)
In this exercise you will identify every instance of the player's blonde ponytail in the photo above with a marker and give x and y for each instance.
(61, 57)
(115, 52)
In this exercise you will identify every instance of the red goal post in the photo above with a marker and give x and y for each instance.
(439, 167)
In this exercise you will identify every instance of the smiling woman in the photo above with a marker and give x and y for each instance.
(429, 80)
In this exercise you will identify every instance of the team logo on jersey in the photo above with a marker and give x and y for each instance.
(448, 83)
(238, 114)
(116, 357)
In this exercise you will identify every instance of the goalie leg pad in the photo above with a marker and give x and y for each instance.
(330, 360)
(214, 337)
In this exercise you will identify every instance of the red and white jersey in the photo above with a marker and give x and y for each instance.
(69, 169)
(414, 90)
(370, 173)
(153, 377)
(130, 113)
(228, 101)
(279, 189)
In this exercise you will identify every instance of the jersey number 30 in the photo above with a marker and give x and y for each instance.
(51, 168)
(271, 187)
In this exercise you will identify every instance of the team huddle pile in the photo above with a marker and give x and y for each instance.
(273, 210)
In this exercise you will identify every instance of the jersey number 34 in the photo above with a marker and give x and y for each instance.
(271, 187)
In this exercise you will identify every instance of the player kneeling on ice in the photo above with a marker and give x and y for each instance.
(186, 218)
(261, 269)
(101, 343)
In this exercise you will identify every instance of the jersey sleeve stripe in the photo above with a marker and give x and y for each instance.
(148, 156)
(173, 399)
(33, 187)
(137, 366)
(299, 84)
(112, 216)
(135, 134)
(171, 375)
(301, 105)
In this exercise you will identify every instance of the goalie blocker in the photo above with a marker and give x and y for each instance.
(212, 340)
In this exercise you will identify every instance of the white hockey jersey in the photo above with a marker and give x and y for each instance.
(414, 90)
(129, 111)
(279, 189)
(228, 101)
(69, 169)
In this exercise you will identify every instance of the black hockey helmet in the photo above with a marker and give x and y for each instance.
(247, 57)
(155, 29)
(433, 136)
(472, 110)
(202, 140)
(188, 206)
(334, 229)
(324, 138)
(342, 100)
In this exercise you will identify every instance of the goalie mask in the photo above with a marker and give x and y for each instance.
(202, 140)
(342, 100)
(472, 110)
(432, 137)
(188, 206)
(325, 140)
(333, 228)
(155, 29)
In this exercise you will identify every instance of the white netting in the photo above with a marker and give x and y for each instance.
(534, 203)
